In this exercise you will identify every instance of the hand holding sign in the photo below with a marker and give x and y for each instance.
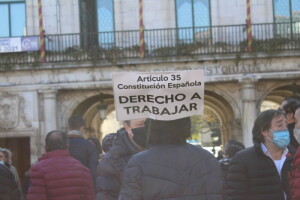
(158, 95)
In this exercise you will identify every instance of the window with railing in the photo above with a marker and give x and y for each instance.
(288, 13)
(105, 11)
(12, 18)
(193, 20)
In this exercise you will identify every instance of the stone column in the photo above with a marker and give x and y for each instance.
(49, 112)
(248, 96)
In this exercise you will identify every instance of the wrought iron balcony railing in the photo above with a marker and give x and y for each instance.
(118, 45)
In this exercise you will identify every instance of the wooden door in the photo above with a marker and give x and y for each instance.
(20, 147)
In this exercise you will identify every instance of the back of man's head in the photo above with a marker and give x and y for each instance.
(290, 106)
(232, 147)
(75, 123)
(56, 140)
(168, 132)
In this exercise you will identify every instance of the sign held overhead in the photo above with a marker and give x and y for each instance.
(158, 95)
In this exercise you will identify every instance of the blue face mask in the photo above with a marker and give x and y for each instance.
(281, 138)
(1, 162)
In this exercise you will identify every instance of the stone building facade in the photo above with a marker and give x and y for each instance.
(38, 98)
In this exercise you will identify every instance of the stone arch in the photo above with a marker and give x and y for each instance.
(216, 102)
(228, 98)
(276, 92)
(85, 104)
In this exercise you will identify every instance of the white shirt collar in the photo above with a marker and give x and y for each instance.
(266, 152)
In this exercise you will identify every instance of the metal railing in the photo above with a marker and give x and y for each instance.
(118, 45)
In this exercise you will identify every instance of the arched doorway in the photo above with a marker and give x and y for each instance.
(217, 125)
(96, 125)
(276, 96)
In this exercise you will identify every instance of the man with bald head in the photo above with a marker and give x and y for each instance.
(57, 175)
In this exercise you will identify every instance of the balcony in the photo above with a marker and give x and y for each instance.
(119, 45)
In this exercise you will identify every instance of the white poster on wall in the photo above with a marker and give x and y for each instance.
(18, 44)
(158, 95)
(10, 45)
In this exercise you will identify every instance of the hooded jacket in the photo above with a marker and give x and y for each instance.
(58, 176)
(172, 172)
(253, 175)
(110, 168)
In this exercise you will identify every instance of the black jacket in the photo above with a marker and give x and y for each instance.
(293, 140)
(8, 187)
(110, 168)
(84, 151)
(172, 172)
(253, 176)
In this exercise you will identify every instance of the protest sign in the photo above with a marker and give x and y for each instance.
(158, 95)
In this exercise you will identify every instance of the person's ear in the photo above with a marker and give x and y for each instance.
(290, 118)
(126, 126)
(265, 133)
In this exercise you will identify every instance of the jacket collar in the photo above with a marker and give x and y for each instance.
(55, 153)
(122, 145)
(74, 134)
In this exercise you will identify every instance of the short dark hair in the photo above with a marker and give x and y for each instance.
(232, 147)
(168, 132)
(263, 123)
(107, 141)
(291, 105)
(75, 122)
(127, 122)
(56, 140)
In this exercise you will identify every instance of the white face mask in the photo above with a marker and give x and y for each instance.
(1, 162)
(297, 135)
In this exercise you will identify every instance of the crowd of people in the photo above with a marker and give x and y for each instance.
(151, 160)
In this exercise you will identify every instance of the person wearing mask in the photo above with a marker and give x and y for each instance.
(57, 175)
(261, 172)
(171, 168)
(9, 189)
(6, 157)
(80, 148)
(128, 141)
(288, 106)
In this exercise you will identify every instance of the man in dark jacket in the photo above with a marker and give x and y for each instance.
(171, 168)
(128, 141)
(260, 172)
(79, 147)
(57, 175)
(8, 186)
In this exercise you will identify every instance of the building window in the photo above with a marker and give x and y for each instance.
(105, 12)
(193, 20)
(287, 15)
(12, 18)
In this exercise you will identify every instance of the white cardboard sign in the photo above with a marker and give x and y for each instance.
(158, 95)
